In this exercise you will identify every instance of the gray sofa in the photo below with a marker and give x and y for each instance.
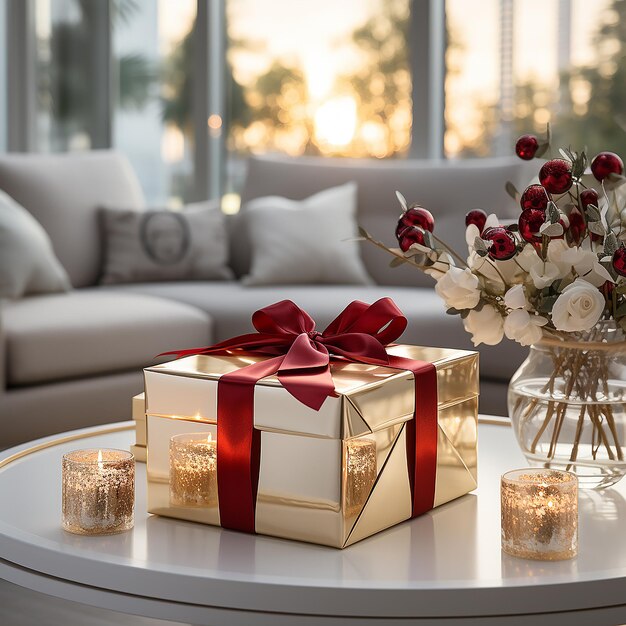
(75, 359)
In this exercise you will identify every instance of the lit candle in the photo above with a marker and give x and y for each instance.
(360, 474)
(539, 510)
(98, 491)
(193, 470)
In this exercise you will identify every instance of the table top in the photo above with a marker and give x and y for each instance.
(445, 563)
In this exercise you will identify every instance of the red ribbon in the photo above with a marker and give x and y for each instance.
(301, 357)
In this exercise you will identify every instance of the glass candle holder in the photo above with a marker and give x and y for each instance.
(539, 509)
(360, 474)
(193, 470)
(98, 492)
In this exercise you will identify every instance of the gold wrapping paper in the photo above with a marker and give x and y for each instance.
(333, 476)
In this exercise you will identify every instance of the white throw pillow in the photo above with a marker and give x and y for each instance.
(28, 264)
(305, 242)
(165, 245)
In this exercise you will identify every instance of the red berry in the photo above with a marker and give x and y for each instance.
(409, 236)
(576, 225)
(477, 217)
(606, 163)
(526, 147)
(415, 216)
(587, 197)
(619, 261)
(556, 176)
(530, 221)
(534, 197)
(503, 244)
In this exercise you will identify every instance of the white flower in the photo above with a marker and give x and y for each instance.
(556, 249)
(544, 273)
(579, 307)
(459, 288)
(524, 328)
(586, 265)
(515, 298)
(485, 326)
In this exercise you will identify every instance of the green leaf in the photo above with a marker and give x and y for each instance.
(622, 323)
(597, 228)
(610, 244)
(620, 311)
(514, 228)
(428, 240)
(546, 304)
(479, 245)
(397, 261)
(511, 190)
(593, 213)
(552, 213)
(621, 288)
(402, 201)
(453, 311)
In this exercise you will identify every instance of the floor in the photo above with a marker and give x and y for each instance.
(22, 607)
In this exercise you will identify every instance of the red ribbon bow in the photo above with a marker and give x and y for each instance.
(300, 356)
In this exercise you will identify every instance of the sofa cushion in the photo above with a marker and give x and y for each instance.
(310, 241)
(162, 245)
(449, 189)
(63, 193)
(231, 306)
(27, 262)
(91, 332)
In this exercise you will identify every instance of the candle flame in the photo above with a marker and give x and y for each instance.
(100, 464)
(209, 438)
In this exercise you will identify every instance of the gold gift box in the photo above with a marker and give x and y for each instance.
(333, 476)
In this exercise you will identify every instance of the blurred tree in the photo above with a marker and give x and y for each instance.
(66, 85)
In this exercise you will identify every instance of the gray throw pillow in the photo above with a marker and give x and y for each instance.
(28, 264)
(148, 246)
(309, 241)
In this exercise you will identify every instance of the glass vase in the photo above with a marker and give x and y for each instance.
(567, 404)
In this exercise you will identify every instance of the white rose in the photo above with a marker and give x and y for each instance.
(459, 288)
(485, 326)
(579, 307)
(515, 298)
(524, 328)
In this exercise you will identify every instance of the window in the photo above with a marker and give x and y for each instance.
(152, 46)
(524, 64)
(188, 89)
(301, 82)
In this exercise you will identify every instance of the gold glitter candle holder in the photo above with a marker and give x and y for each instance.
(360, 474)
(539, 510)
(193, 470)
(98, 492)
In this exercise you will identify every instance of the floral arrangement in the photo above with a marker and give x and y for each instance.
(559, 269)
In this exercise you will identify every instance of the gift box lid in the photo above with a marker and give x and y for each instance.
(370, 397)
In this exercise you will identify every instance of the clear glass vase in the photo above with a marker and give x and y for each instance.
(567, 404)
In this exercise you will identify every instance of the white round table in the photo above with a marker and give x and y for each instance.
(445, 567)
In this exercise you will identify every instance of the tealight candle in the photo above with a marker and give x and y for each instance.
(360, 473)
(539, 514)
(98, 491)
(193, 470)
